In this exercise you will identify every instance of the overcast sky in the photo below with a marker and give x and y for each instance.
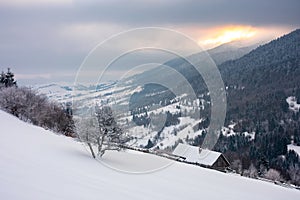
(47, 40)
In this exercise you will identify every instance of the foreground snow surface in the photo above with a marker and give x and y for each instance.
(37, 164)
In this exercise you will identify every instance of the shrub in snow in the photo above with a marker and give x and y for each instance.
(273, 174)
(29, 106)
(237, 166)
(294, 173)
(251, 172)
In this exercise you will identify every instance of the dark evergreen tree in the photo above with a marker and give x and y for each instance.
(297, 94)
(149, 145)
(7, 80)
(2, 79)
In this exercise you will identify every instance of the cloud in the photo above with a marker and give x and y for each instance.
(43, 36)
(255, 12)
(27, 3)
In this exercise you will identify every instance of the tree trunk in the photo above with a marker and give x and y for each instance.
(100, 144)
(90, 146)
(91, 149)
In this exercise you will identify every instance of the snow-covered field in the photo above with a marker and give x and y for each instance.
(38, 164)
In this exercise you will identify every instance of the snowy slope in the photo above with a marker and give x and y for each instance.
(38, 164)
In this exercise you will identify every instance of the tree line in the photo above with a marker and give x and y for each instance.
(26, 104)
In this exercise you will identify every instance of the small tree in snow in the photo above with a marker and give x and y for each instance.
(101, 130)
(86, 129)
(110, 136)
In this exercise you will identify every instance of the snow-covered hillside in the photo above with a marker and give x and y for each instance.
(68, 92)
(118, 96)
(38, 164)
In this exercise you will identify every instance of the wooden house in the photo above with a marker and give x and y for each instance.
(202, 157)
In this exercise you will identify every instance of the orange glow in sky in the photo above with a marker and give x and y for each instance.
(226, 34)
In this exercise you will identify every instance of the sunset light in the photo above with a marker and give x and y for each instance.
(226, 34)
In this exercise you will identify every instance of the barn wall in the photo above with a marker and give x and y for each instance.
(220, 164)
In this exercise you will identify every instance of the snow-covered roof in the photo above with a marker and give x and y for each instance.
(196, 155)
(295, 148)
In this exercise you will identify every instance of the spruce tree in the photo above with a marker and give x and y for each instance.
(9, 80)
(2, 79)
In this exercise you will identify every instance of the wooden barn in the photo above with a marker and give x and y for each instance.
(202, 157)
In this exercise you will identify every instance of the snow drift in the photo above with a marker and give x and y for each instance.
(38, 164)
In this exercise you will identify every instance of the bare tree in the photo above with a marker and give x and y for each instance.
(34, 108)
(294, 172)
(87, 132)
(101, 130)
(237, 166)
(251, 172)
(110, 135)
(273, 174)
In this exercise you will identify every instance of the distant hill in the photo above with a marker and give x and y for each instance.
(231, 51)
(259, 88)
(262, 79)
(270, 69)
(275, 63)
(225, 52)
